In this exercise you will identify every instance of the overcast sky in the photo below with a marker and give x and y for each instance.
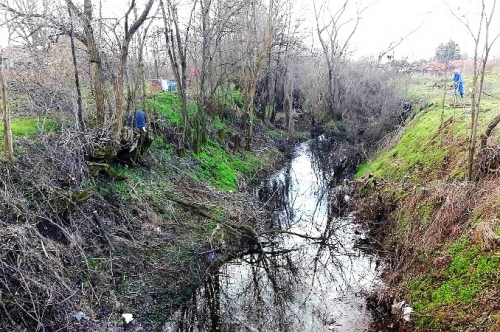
(385, 22)
(389, 20)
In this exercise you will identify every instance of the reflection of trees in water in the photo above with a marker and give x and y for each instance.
(270, 288)
(202, 312)
(274, 194)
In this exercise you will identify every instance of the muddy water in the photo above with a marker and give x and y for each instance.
(312, 276)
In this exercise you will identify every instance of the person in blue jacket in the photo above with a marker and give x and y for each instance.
(140, 120)
(459, 83)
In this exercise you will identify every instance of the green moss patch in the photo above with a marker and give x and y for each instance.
(28, 127)
(469, 274)
(221, 168)
(167, 105)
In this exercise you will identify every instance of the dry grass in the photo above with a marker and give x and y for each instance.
(55, 261)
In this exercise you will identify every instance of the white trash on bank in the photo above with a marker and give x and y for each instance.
(406, 313)
(80, 315)
(127, 318)
(401, 309)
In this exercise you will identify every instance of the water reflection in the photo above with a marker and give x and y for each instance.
(309, 275)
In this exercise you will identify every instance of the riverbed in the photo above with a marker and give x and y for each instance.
(312, 276)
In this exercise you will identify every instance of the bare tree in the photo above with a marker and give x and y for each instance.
(485, 18)
(86, 20)
(486, 52)
(142, 37)
(30, 23)
(258, 44)
(329, 26)
(200, 130)
(124, 48)
(177, 40)
(292, 57)
(79, 112)
(7, 132)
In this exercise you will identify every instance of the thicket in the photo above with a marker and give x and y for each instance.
(82, 236)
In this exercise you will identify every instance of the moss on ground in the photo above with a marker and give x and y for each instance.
(167, 105)
(222, 169)
(471, 274)
(28, 127)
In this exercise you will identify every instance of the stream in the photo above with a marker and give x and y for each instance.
(313, 274)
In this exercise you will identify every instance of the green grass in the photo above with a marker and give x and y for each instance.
(470, 273)
(168, 107)
(222, 169)
(229, 97)
(420, 214)
(167, 104)
(28, 127)
(418, 152)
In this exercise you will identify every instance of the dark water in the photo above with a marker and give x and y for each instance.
(311, 277)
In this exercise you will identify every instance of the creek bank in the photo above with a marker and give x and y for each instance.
(439, 234)
(145, 256)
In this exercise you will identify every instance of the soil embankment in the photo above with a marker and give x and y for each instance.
(438, 232)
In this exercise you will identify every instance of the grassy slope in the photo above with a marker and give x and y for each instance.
(215, 164)
(449, 268)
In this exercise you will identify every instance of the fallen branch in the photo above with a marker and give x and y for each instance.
(202, 211)
(102, 229)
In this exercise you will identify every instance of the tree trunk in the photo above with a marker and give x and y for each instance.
(79, 111)
(142, 77)
(129, 33)
(249, 106)
(98, 85)
(474, 110)
(7, 132)
(492, 125)
(201, 130)
(474, 106)
(119, 91)
(494, 122)
(275, 88)
(179, 73)
(95, 59)
(330, 98)
(268, 88)
(289, 119)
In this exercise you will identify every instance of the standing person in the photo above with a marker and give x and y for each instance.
(459, 83)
